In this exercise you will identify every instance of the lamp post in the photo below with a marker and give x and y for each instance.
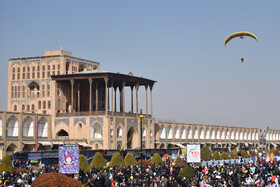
(141, 116)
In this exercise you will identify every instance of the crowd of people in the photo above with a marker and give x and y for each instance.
(164, 175)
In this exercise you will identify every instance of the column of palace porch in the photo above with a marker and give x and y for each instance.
(72, 95)
(146, 88)
(79, 104)
(132, 98)
(151, 98)
(96, 96)
(90, 94)
(106, 95)
(123, 98)
(112, 98)
(136, 89)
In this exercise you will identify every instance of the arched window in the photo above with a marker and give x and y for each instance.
(12, 127)
(195, 133)
(119, 132)
(48, 90)
(223, 134)
(15, 108)
(212, 134)
(189, 133)
(207, 134)
(96, 131)
(38, 72)
(18, 73)
(1, 127)
(12, 92)
(143, 132)
(218, 136)
(201, 135)
(162, 132)
(176, 133)
(42, 128)
(183, 133)
(43, 90)
(23, 72)
(23, 107)
(43, 72)
(169, 132)
(28, 127)
(23, 91)
(13, 76)
(53, 69)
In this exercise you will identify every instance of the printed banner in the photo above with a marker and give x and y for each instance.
(68, 159)
(193, 153)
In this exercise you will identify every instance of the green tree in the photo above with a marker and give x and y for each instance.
(116, 160)
(83, 163)
(244, 154)
(186, 172)
(98, 161)
(216, 156)
(156, 159)
(178, 159)
(130, 159)
(224, 156)
(206, 153)
(6, 164)
(233, 154)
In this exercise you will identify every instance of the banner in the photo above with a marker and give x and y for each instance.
(193, 153)
(68, 159)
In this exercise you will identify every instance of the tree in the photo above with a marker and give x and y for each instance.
(156, 159)
(206, 153)
(130, 159)
(116, 160)
(84, 166)
(178, 159)
(6, 164)
(186, 172)
(216, 156)
(233, 154)
(224, 156)
(244, 154)
(98, 161)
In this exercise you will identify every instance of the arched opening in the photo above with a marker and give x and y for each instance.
(162, 146)
(96, 131)
(218, 136)
(62, 133)
(201, 135)
(162, 132)
(189, 133)
(207, 134)
(28, 127)
(12, 127)
(130, 137)
(42, 128)
(33, 90)
(212, 134)
(28, 148)
(119, 147)
(11, 149)
(143, 132)
(169, 132)
(81, 67)
(183, 133)
(119, 132)
(195, 133)
(1, 127)
(223, 134)
(232, 135)
(176, 133)
(67, 67)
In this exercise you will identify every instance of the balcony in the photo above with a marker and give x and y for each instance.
(98, 113)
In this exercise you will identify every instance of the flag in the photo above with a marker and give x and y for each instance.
(257, 182)
(205, 170)
(237, 149)
(229, 149)
(111, 177)
(171, 170)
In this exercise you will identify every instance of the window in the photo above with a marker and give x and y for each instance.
(80, 126)
(28, 107)
(23, 107)
(15, 91)
(49, 69)
(38, 72)
(18, 91)
(43, 90)
(58, 69)
(33, 107)
(28, 72)
(23, 91)
(14, 70)
(49, 104)
(12, 92)
(23, 73)
(44, 112)
(15, 108)
(43, 72)
(44, 104)
(53, 70)
(39, 105)
(18, 73)
(48, 90)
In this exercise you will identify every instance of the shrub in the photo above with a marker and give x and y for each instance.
(178, 159)
(224, 156)
(6, 164)
(244, 154)
(156, 159)
(233, 154)
(116, 160)
(254, 152)
(98, 161)
(83, 163)
(130, 159)
(186, 172)
(55, 179)
(216, 156)
(145, 162)
(206, 153)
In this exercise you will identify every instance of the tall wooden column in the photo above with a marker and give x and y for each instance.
(132, 98)
(79, 102)
(123, 97)
(136, 89)
(96, 96)
(112, 97)
(151, 98)
(72, 95)
(106, 95)
(146, 88)
(115, 88)
(90, 94)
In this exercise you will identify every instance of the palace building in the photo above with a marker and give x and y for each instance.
(66, 100)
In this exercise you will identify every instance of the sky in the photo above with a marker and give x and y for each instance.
(180, 44)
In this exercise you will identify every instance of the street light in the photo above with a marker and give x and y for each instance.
(141, 116)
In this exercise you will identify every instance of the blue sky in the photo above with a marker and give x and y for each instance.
(177, 43)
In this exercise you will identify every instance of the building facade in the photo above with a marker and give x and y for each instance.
(79, 104)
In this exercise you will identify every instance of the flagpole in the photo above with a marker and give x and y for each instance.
(36, 132)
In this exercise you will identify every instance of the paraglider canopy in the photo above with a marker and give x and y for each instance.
(241, 35)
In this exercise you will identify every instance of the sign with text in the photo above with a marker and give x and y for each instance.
(68, 159)
(193, 153)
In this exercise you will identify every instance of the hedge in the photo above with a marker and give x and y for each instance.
(83, 163)
(216, 156)
(206, 153)
(6, 164)
(224, 156)
(98, 161)
(156, 159)
(130, 159)
(187, 172)
(116, 160)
